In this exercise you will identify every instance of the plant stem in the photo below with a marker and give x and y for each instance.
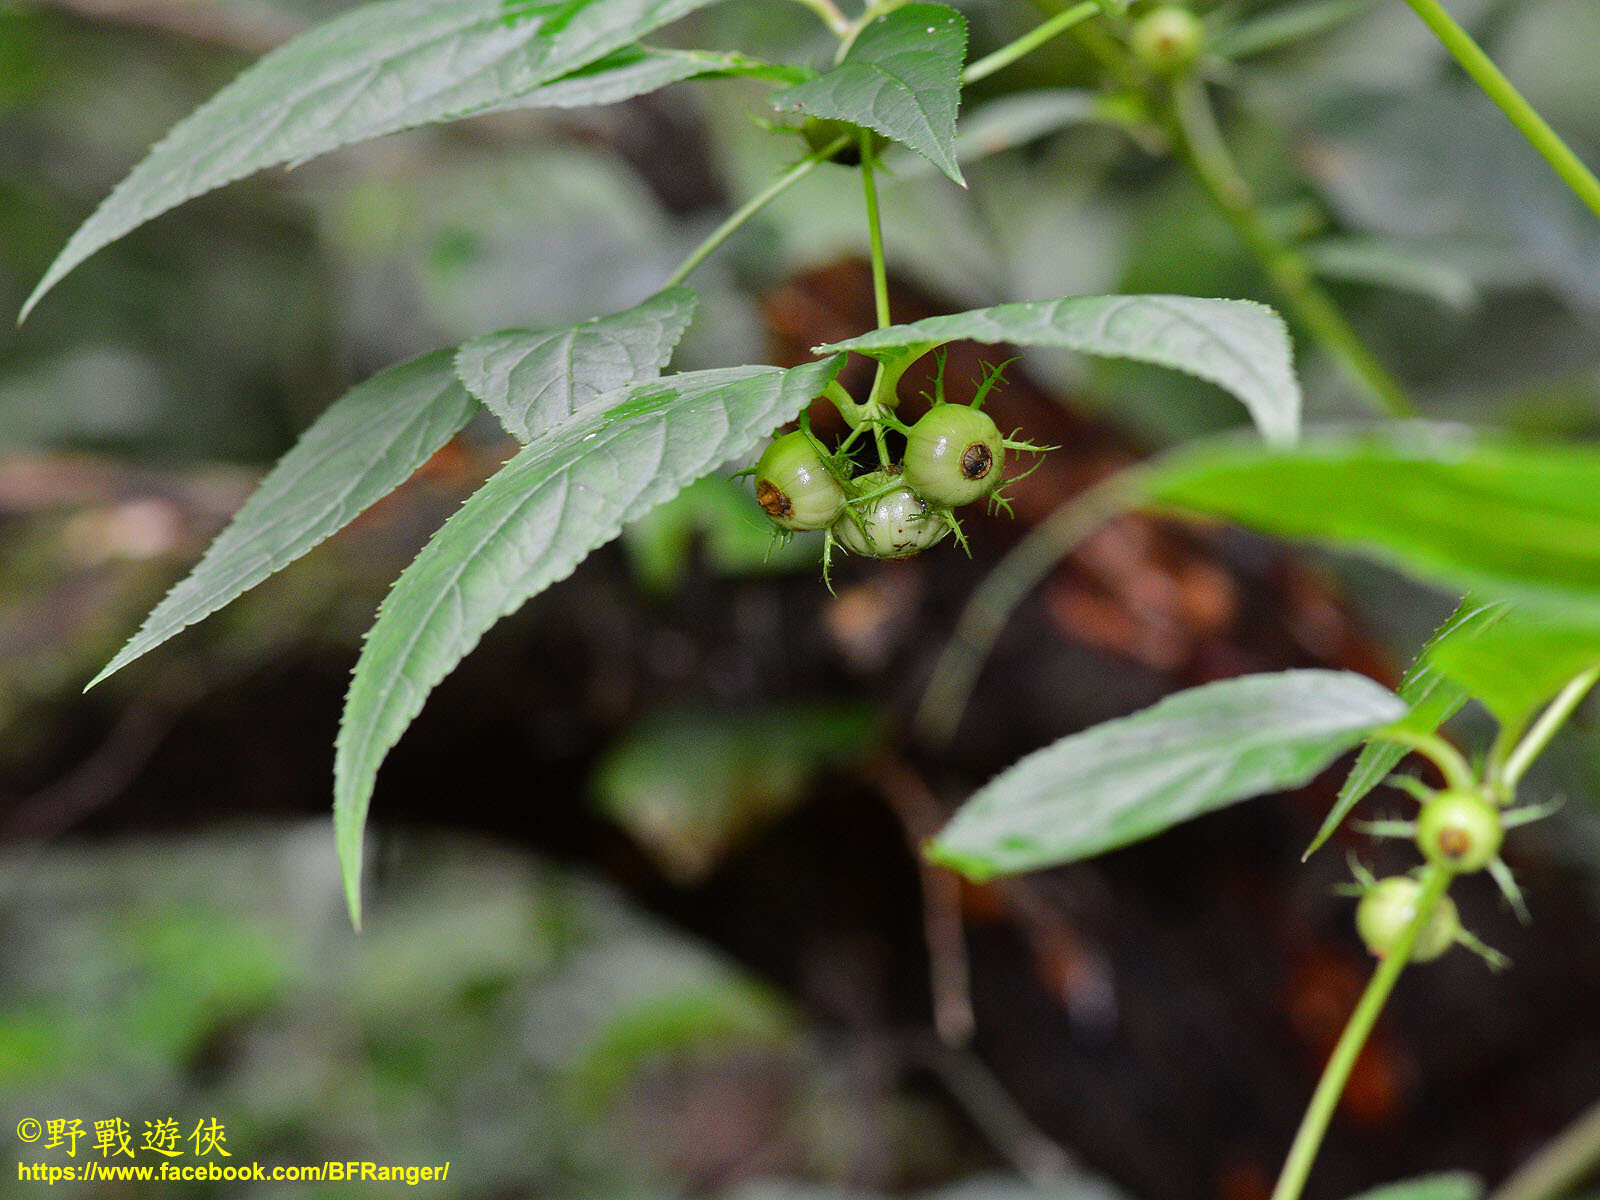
(1503, 92)
(996, 598)
(1194, 133)
(1458, 775)
(752, 206)
(828, 11)
(1549, 723)
(1030, 41)
(880, 277)
(881, 383)
(1557, 1169)
(1297, 1167)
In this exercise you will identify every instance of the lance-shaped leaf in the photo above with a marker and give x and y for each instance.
(375, 70)
(1192, 753)
(365, 445)
(901, 77)
(1453, 1185)
(1433, 698)
(569, 491)
(1505, 519)
(1513, 666)
(534, 380)
(635, 71)
(1240, 346)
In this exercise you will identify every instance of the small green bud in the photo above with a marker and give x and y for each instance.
(1167, 39)
(1388, 909)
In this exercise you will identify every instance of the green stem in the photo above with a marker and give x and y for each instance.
(876, 399)
(1503, 92)
(880, 275)
(1314, 1125)
(1549, 723)
(831, 16)
(752, 206)
(996, 598)
(1194, 133)
(1458, 775)
(1030, 41)
(1561, 1166)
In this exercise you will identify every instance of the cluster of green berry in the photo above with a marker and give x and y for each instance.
(1459, 832)
(954, 455)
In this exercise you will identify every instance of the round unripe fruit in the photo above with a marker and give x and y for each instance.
(897, 524)
(793, 485)
(1167, 39)
(1461, 831)
(1388, 909)
(954, 455)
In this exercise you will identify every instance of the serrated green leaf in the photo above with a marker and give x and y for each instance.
(1240, 346)
(1454, 1185)
(1509, 520)
(1512, 666)
(365, 445)
(901, 77)
(635, 71)
(534, 380)
(1193, 753)
(375, 70)
(569, 491)
(1433, 700)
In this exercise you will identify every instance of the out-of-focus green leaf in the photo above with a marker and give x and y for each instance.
(1433, 698)
(365, 445)
(1192, 753)
(533, 380)
(1240, 346)
(1515, 664)
(378, 69)
(1511, 520)
(688, 783)
(1389, 262)
(571, 490)
(901, 77)
(1286, 25)
(1454, 1185)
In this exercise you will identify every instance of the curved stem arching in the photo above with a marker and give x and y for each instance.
(752, 206)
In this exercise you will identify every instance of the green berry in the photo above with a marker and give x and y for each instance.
(1461, 831)
(954, 455)
(894, 524)
(1389, 907)
(1167, 39)
(794, 485)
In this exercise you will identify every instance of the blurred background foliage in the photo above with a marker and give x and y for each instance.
(691, 719)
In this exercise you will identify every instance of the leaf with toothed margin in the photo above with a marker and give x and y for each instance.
(901, 77)
(1192, 753)
(534, 380)
(377, 69)
(570, 490)
(368, 442)
(1433, 698)
(1240, 346)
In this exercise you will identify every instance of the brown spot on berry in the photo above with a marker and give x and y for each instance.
(976, 461)
(772, 499)
(1454, 842)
